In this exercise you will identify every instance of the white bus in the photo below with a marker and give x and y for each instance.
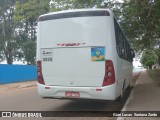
(82, 54)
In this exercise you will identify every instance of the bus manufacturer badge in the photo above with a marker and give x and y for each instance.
(97, 54)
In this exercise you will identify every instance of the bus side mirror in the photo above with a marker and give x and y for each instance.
(133, 54)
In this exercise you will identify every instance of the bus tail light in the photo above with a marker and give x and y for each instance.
(39, 73)
(109, 77)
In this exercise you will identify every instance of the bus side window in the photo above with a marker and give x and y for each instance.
(123, 48)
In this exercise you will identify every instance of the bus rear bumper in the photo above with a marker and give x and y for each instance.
(95, 93)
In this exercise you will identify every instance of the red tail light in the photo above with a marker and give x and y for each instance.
(39, 73)
(109, 77)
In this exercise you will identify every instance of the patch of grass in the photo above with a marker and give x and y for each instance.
(155, 75)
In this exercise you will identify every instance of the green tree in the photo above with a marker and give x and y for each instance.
(57, 5)
(140, 21)
(8, 46)
(26, 16)
(157, 51)
(149, 58)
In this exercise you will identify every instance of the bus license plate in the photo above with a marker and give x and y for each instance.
(72, 94)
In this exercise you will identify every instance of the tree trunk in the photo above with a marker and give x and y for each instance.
(9, 60)
(8, 57)
(26, 27)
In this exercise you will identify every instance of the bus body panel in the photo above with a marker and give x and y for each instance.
(89, 30)
(73, 67)
(123, 74)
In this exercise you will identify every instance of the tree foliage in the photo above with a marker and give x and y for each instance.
(57, 5)
(149, 58)
(141, 22)
(8, 45)
(26, 15)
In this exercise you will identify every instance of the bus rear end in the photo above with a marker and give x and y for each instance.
(74, 55)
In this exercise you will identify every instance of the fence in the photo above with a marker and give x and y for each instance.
(17, 73)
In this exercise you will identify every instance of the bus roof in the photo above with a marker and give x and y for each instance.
(76, 13)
